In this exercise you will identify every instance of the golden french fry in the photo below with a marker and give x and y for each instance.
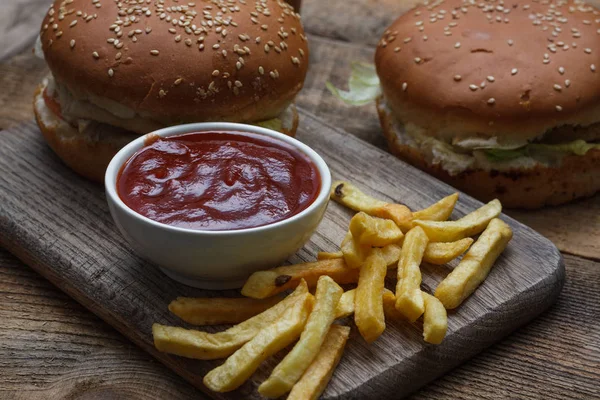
(435, 320)
(210, 346)
(439, 211)
(368, 303)
(264, 284)
(475, 265)
(216, 311)
(352, 197)
(325, 255)
(469, 225)
(317, 376)
(389, 306)
(274, 337)
(374, 231)
(345, 306)
(354, 253)
(440, 253)
(409, 300)
(391, 254)
(292, 367)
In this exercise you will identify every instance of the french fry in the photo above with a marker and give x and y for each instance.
(345, 306)
(352, 197)
(292, 367)
(210, 346)
(317, 376)
(475, 265)
(439, 211)
(325, 255)
(368, 303)
(435, 320)
(374, 231)
(354, 253)
(274, 337)
(263, 284)
(469, 225)
(409, 300)
(440, 253)
(216, 311)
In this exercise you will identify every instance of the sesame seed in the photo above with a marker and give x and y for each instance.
(224, 53)
(510, 42)
(457, 45)
(295, 61)
(397, 49)
(154, 52)
(514, 71)
(404, 86)
(267, 48)
(238, 84)
(473, 87)
(178, 81)
(457, 78)
(561, 70)
(201, 46)
(567, 83)
(491, 101)
(593, 67)
(111, 73)
(408, 39)
(261, 70)
(96, 55)
(216, 72)
(216, 46)
(73, 23)
(559, 108)
(162, 93)
(588, 51)
(491, 78)
(238, 65)
(72, 43)
(418, 60)
(557, 87)
(546, 61)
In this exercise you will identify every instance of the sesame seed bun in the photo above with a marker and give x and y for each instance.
(511, 70)
(179, 62)
(527, 188)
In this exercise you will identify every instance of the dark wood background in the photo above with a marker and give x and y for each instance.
(51, 347)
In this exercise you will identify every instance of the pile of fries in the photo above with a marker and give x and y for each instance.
(381, 237)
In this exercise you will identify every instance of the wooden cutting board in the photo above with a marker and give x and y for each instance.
(59, 224)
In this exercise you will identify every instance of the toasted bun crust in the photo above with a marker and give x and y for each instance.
(215, 60)
(90, 152)
(461, 69)
(577, 177)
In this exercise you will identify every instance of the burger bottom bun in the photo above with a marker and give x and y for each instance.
(89, 152)
(576, 177)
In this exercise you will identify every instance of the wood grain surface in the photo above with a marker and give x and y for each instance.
(51, 347)
(59, 224)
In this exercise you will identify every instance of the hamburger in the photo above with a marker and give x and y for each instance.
(120, 69)
(501, 99)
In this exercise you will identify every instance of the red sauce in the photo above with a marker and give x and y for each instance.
(52, 104)
(218, 181)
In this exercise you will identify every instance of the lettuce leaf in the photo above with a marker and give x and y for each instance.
(274, 124)
(578, 147)
(364, 86)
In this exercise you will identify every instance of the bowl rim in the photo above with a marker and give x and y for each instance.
(125, 153)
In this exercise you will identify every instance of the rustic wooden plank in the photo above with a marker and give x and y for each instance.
(59, 224)
(53, 348)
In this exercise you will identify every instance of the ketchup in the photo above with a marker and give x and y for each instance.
(218, 181)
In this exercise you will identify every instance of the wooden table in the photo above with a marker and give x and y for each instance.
(53, 348)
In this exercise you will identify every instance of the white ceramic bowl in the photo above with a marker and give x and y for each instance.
(215, 259)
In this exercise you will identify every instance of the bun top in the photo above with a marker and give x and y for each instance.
(179, 60)
(494, 67)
